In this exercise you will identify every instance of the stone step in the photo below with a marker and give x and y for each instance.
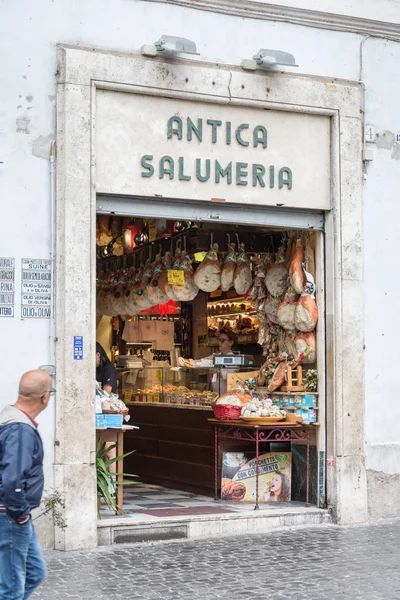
(129, 529)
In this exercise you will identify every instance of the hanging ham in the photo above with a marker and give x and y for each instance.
(171, 265)
(286, 310)
(277, 278)
(189, 290)
(304, 341)
(208, 273)
(306, 314)
(296, 272)
(243, 278)
(228, 270)
(155, 294)
(270, 308)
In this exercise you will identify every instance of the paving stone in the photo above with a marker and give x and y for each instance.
(318, 563)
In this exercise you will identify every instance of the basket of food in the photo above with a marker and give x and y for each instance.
(229, 406)
(226, 412)
(262, 411)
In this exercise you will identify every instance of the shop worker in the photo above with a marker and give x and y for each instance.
(227, 340)
(22, 567)
(106, 373)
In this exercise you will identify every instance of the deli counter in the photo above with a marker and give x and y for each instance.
(179, 386)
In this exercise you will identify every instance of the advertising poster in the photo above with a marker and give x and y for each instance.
(239, 477)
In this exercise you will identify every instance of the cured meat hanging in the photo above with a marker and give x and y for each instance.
(228, 270)
(208, 273)
(243, 278)
(189, 290)
(306, 313)
(286, 310)
(277, 278)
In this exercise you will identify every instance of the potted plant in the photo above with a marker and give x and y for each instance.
(106, 483)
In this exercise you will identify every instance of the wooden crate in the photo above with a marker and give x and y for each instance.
(233, 379)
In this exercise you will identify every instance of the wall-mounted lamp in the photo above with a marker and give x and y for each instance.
(268, 59)
(170, 45)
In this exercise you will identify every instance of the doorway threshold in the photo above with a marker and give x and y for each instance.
(153, 513)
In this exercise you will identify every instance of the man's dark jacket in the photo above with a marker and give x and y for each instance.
(21, 463)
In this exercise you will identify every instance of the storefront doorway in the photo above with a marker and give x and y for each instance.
(172, 403)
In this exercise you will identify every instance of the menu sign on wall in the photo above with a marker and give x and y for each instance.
(7, 286)
(36, 288)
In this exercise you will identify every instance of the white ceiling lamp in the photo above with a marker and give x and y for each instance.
(169, 45)
(268, 59)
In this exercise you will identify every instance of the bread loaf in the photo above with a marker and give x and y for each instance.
(242, 278)
(235, 398)
(228, 270)
(208, 273)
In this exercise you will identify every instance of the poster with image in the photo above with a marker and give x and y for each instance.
(239, 477)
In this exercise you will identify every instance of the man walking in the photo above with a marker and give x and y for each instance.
(22, 567)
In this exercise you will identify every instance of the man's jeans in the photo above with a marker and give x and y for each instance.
(22, 567)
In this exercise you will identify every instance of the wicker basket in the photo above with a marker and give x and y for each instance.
(227, 412)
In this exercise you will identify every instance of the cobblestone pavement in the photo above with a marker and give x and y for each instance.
(319, 563)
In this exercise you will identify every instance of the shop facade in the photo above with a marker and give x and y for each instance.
(86, 103)
(98, 170)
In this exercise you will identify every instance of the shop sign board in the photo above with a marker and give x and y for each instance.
(36, 288)
(169, 148)
(239, 477)
(7, 286)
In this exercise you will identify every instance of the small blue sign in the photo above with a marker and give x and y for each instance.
(78, 347)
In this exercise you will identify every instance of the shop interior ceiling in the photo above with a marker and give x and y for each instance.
(193, 236)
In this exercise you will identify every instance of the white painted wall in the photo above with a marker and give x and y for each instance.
(379, 10)
(29, 33)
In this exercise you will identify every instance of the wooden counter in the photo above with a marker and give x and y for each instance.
(174, 446)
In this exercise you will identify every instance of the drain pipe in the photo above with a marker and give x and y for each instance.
(52, 359)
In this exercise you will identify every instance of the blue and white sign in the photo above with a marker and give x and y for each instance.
(78, 347)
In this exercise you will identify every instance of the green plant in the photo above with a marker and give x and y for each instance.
(54, 503)
(310, 380)
(106, 479)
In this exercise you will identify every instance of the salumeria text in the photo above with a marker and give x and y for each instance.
(206, 169)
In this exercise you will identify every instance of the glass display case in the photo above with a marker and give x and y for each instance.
(198, 386)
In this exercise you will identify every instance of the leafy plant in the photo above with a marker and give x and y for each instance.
(106, 479)
(311, 380)
(54, 503)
